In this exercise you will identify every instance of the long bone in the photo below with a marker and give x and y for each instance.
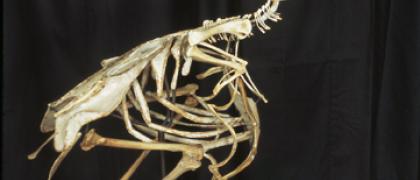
(135, 165)
(191, 154)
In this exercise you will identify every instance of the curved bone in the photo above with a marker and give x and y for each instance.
(252, 114)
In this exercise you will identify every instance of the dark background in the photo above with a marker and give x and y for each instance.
(342, 77)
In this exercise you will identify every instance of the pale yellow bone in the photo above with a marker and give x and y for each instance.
(225, 54)
(135, 165)
(233, 94)
(158, 65)
(251, 84)
(61, 157)
(223, 84)
(190, 160)
(256, 132)
(98, 86)
(199, 56)
(146, 117)
(107, 62)
(210, 107)
(145, 76)
(33, 155)
(129, 126)
(209, 72)
(176, 53)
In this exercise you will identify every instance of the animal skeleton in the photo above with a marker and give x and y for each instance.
(122, 84)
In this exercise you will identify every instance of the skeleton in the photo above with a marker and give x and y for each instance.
(122, 84)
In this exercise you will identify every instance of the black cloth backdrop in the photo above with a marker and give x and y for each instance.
(342, 77)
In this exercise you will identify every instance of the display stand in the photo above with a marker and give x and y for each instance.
(168, 122)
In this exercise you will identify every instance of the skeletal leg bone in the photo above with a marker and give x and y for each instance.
(135, 165)
(191, 159)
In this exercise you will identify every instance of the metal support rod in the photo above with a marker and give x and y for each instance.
(168, 122)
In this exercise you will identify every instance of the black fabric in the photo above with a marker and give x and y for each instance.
(342, 78)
